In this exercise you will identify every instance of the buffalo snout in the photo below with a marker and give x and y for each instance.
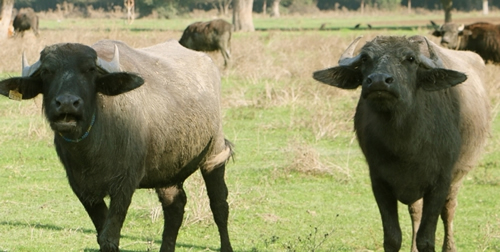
(379, 79)
(379, 86)
(68, 104)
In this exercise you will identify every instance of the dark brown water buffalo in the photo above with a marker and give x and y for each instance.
(209, 36)
(24, 20)
(421, 122)
(481, 38)
(146, 120)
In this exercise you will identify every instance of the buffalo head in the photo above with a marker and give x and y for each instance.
(390, 70)
(451, 34)
(70, 76)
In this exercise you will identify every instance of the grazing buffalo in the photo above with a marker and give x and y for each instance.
(481, 38)
(149, 118)
(209, 36)
(421, 121)
(24, 20)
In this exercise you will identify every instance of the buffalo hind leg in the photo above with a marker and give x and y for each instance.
(415, 210)
(173, 200)
(447, 215)
(217, 193)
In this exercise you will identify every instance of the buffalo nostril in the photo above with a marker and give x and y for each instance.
(389, 80)
(67, 103)
(369, 81)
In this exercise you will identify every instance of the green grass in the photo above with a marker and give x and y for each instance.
(298, 181)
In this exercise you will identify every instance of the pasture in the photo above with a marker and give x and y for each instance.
(298, 181)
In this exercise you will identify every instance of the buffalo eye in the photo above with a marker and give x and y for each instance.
(364, 58)
(410, 58)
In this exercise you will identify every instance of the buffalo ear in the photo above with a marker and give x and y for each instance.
(118, 83)
(439, 78)
(340, 76)
(437, 33)
(28, 87)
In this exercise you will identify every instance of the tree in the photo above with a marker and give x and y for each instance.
(130, 6)
(242, 15)
(7, 6)
(447, 5)
(485, 7)
(275, 8)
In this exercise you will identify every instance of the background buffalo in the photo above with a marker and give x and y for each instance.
(24, 20)
(209, 36)
(481, 37)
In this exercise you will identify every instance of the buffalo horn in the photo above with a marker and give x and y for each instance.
(461, 27)
(346, 59)
(111, 66)
(28, 70)
(434, 61)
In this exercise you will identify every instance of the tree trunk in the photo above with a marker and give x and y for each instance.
(242, 15)
(275, 8)
(130, 6)
(447, 6)
(409, 6)
(264, 7)
(362, 6)
(7, 7)
(485, 7)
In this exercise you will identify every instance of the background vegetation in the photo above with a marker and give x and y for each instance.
(298, 182)
(173, 8)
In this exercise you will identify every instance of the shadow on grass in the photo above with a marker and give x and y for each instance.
(92, 231)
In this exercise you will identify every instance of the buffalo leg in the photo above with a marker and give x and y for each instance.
(433, 204)
(217, 193)
(173, 200)
(109, 238)
(97, 212)
(415, 210)
(388, 207)
(226, 56)
(447, 215)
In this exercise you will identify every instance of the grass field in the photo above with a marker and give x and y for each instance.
(298, 181)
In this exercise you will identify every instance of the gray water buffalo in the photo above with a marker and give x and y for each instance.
(24, 20)
(209, 36)
(421, 121)
(149, 118)
(481, 38)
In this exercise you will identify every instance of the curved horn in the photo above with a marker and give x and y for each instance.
(461, 27)
(111, 66)
(346, 59)
(28, 70)
(433, 61)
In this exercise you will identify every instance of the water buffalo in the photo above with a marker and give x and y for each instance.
(24, 20)
(209, 36)
(149, 118)
(421, 121)
(481, 38)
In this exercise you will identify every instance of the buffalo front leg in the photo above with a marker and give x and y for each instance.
(109, 237)
(217, 193)
(415, 210)
(97, 212)
(388, 208)
(173, 200)
(433, 205)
